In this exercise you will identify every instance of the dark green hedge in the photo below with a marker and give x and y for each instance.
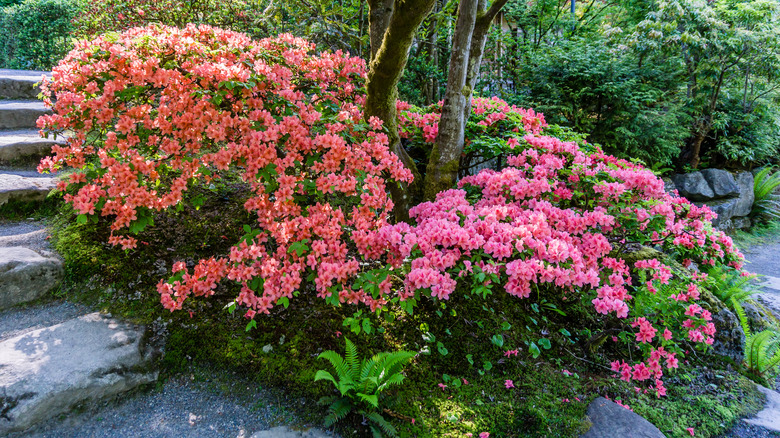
(34, 34)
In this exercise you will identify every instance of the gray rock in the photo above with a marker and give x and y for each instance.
(724, 208)
(24, 188)
(20, 143)
(286, 432)
(26, 276)
(729, 337)
(740, 223)
(693, 186)
(21, 114)
(668, 185)
(46, 372)
(769, 417)
(612, 420)
(20, 84)
(721, 182)
(746, 194)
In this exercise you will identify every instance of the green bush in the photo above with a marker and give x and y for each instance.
(34, 35)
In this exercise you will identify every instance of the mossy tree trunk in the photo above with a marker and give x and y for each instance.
(471, 30)
(397, 22)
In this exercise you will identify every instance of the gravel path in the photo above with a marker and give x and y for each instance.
(205, 403)
(761, 259)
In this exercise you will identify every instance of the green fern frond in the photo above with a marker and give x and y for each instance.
(336, 361)
(353, 363)
(742, 316)
(338, 410)
(379, 420)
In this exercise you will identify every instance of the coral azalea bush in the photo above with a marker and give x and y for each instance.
(156, 109)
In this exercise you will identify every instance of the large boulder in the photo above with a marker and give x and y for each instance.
(612, 420)
(721, 182)
(746, 194)
(724, 208)
(26, 276)
(693, 186)
(47, 372)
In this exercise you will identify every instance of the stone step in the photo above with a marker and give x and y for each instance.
(19, 114)
(26, 275)
(20, 84)
(23, 143)
(24, 188)
(47, 372)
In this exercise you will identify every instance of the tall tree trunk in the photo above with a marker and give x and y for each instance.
(471, 31)
(387, 64)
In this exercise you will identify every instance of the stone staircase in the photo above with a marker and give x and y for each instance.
(48, 365)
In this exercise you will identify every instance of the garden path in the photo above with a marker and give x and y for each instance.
(66, 371)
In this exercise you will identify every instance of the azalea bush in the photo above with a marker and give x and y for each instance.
(157, 110)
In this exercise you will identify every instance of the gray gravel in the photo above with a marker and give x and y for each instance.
(29, 234)
(18, 320)
(201, 404)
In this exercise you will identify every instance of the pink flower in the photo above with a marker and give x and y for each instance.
(690, 431)
(509, 384)
(484, 435)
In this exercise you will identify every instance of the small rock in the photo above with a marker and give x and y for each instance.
(612, 420)
(286, 432)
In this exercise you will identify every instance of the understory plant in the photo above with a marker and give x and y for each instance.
(362, 385)
(767, 203)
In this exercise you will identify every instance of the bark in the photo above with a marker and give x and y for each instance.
(380, 12)
(471, 31)
(442, 170)
(387, 65)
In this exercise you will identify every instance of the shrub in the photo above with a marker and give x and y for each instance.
(101, 16)
(156, 109)
(35, 34)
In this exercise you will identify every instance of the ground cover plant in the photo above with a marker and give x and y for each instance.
(166, 119)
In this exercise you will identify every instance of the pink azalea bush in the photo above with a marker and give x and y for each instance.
(560, 218)
(157, 109)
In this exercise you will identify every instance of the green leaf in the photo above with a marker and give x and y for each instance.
(545, 343)
(442, 349)
(81, 219)
(497, 340)
(487, 365)
(252, 324)
(367, 326)
(534, 350)
(284, 301)
(506, 326)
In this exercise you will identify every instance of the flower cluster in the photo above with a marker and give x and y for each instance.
(561, 219)
(156, 109)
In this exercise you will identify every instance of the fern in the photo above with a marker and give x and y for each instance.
(730, 286)
(767, 203)
(361, 385)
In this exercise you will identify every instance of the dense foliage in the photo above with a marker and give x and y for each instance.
(35, 34)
